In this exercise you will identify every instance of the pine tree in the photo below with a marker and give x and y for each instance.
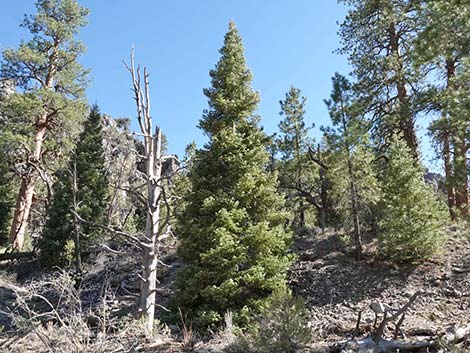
(296, 169)
(52, 82)
(6, 199)
(83, 186)
(378, 37)
(354, 182)
(56, 242)
(232, 239)
(443, 50)
(92, 176)
(411, 225)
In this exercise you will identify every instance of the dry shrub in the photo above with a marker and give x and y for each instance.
(49, 317)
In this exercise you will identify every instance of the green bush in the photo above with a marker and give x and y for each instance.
(282, 327)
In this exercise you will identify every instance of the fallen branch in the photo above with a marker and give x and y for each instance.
(377, 337)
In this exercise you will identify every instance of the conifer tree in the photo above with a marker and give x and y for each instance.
(443, 50)
(410, 228)
(296, 171)
(6, 199)
(233, 243)
(56, 242)
(83, 186)
(354, 182)
(378, 37)
(52, 82)
(92, 176)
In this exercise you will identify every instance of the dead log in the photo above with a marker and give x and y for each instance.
(378, 335)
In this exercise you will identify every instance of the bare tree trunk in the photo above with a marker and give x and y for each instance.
(301, 214)
(153, 171)
(150, 253)
(323, 194)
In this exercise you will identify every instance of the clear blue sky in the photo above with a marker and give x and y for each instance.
(286, 42)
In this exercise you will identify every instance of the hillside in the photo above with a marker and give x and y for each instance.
(335, 288)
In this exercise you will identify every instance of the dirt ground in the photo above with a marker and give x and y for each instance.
(334, 285)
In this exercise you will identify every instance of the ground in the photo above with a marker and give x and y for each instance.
(334, 285)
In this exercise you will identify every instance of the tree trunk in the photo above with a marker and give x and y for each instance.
(24, 199)
(150, 252)
(301, 214)
(406, 124)
(460, 176)
(355, 211)
(448, 174)
(352, 188)
(460, 173)
(323, 195)
(155, 191)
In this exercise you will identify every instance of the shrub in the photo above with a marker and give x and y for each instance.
(282, 327)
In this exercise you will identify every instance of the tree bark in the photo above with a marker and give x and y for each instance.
(460, 174)
(24, 199)
(449, 175)
(150, 253)
(406, 123)
(153, 173)
(25, 195)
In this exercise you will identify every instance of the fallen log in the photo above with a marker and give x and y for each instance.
(369, 345)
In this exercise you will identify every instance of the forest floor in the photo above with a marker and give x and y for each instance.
(335, 286)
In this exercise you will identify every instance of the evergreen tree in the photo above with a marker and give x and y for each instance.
(296, 170)
(443, 50)
(378, 37)
(6, 199)
(232, 239)
(57, 237)
(411, 225)
(85, 180)
(92, 176)
(52, 82)
(354, 177)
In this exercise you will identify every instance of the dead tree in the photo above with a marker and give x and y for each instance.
(151, 193)
(153, 171)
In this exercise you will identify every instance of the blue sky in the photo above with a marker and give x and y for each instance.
(286, 42)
